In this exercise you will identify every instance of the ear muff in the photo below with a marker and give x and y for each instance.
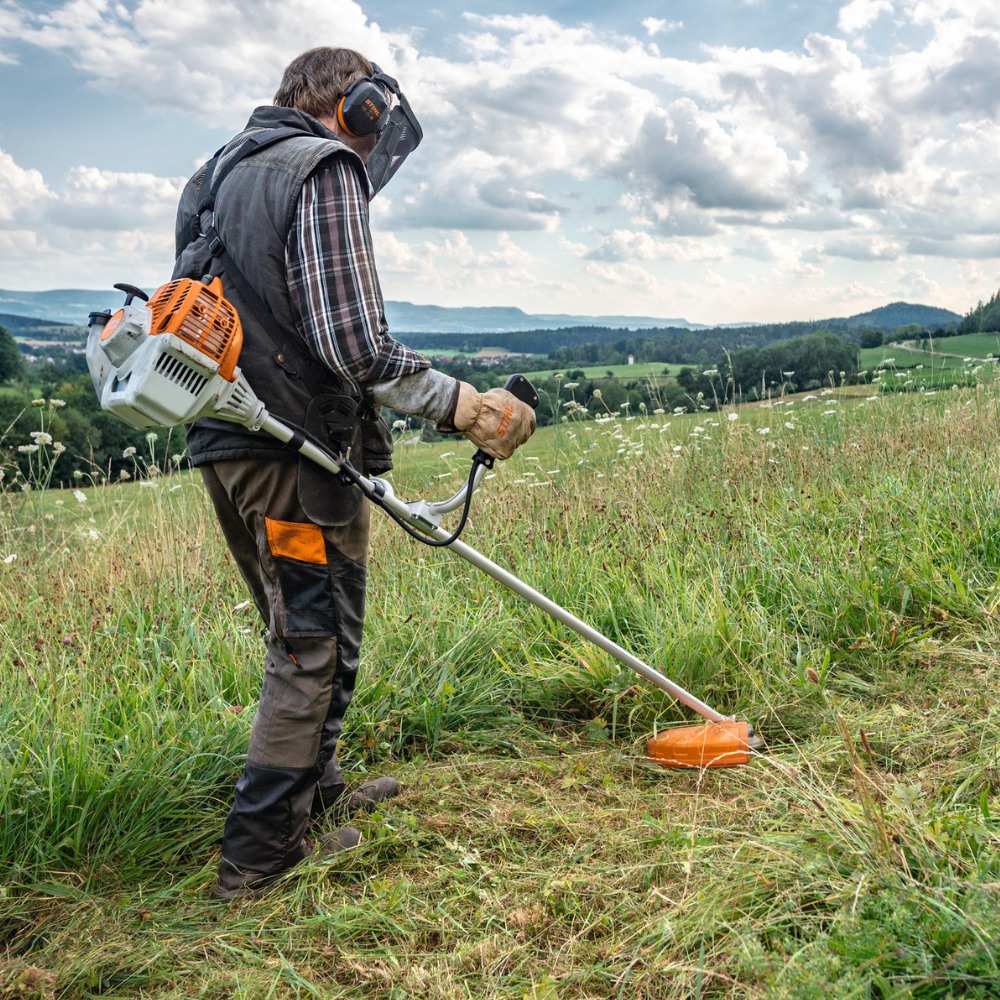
(363, 110)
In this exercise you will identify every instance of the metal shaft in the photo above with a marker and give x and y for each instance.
(310, 451)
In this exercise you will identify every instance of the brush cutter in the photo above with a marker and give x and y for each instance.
(172, 359)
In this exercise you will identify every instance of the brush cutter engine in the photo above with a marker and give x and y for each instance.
(171, 359)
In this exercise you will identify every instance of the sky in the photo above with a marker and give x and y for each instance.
(721, 161)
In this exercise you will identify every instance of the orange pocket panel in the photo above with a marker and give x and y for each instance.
(293, 540)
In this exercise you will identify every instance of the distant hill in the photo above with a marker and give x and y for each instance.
(898, 314)
(65, 305)
(405, 317)
(24, 326)
(73, 305)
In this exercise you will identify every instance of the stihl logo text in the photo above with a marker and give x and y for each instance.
(504, 425)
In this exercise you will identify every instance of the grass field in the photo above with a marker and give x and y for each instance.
(827, 566)
(640, 370)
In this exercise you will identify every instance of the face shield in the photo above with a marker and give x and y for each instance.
(375, 106)
(397, 137)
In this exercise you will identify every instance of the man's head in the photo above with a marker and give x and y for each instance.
(315, 81)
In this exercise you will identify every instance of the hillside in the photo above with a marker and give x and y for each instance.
(72, 306)
(898, 314)
(824, 569)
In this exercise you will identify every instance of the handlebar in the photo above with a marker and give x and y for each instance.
(481, 461)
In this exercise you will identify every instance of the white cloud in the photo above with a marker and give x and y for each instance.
(917, 286)
(23, 194)
(879, 143)
(455, 266)
(860, 14)
(91, 222)
(687, 156)
(213, 63)
(657, 25)
(863, 249)
(106, 200)
(625, 245)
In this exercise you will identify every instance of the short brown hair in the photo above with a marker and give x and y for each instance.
(315, 81)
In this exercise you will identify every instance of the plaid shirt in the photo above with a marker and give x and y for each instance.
(333, 284)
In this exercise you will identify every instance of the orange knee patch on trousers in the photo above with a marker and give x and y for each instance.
(293, 540)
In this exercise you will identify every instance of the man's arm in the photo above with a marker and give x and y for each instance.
(336, 294)
(333, 283)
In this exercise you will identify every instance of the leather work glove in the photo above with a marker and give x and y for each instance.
(496, 421)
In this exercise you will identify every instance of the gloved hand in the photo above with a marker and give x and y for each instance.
(496, 421)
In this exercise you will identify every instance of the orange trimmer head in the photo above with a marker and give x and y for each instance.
(716, 744)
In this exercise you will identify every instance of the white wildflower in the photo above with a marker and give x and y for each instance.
(572, 385)
(41, 437)
(124, 475)
(763, 430)
(128, 452)
(57, 404)
(27, 449)
(9, 559)
(732, 416)
(38, 402)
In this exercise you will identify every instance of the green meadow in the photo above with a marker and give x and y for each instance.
(826, 566)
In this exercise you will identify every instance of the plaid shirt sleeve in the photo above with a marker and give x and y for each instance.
(333, 283)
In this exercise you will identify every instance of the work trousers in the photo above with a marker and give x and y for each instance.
(308, 582)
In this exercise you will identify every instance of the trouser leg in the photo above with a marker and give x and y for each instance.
(313, 585)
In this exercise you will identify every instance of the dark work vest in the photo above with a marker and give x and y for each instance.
(254, 212)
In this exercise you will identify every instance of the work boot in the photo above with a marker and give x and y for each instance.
(364, 798)
(234, 882)
(339, 840)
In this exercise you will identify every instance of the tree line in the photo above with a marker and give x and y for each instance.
(50, 420)
(984, 318)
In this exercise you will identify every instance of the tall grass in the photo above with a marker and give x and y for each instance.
(828, 568)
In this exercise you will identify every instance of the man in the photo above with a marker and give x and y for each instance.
(290, 237)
